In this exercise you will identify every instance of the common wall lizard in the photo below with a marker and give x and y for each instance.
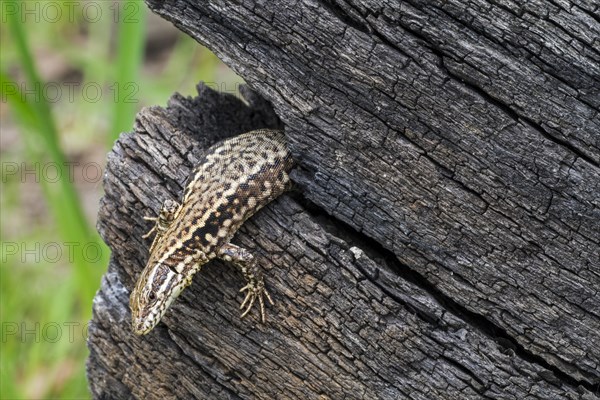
(234, 179)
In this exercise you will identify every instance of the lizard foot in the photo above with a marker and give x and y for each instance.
(255, 291)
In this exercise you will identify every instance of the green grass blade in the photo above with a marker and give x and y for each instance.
(43, 146)
(132, 27)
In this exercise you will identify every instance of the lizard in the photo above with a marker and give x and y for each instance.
(232, 181)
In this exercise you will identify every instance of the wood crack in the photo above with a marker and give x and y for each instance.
(376, 251)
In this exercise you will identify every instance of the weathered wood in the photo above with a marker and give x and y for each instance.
(443, 241)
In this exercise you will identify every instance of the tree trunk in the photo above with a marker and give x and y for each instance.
(443, 238)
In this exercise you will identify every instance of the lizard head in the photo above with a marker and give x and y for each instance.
(154, 292)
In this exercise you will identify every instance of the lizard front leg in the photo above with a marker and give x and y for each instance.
(255, 285)
(168, 212)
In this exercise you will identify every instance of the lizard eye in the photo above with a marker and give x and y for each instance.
(151, 296)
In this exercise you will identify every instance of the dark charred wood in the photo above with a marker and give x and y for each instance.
(443, 238)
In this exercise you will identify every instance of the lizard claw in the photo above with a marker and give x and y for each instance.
(255, 292)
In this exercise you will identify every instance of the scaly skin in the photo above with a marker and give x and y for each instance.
(235, 178)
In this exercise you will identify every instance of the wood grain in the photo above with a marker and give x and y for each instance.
(443, 241)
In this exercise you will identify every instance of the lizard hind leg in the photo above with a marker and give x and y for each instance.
(255, 285)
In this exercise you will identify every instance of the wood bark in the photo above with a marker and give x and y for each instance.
(443, 238)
